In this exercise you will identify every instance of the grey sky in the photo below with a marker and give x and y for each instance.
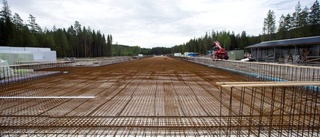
(153, 23)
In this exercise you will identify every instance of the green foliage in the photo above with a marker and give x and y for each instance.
(76, 41)
(81, 41)
(269, 25)
(314, 15)
(160, 51)
(301, 23)
(224, 39)
(244, 40)
(228, 40)
(109, 45)
(34, 27)
(124, 50)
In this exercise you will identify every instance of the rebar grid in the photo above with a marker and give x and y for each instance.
(22, 72)
(157, 96)
(265, 71)
(284, 110)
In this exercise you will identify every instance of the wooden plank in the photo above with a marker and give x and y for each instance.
(228, 83)
(280, 84)
(268, 82)
(310, 60)
(312, 56)
(46, 97)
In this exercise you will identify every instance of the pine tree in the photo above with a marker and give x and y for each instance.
(304, 17)
(314, 16)
(50, 43)
(94, 45)
(34, 27)
(5, 13)
(6, 25)
(61, 43)
(269, 26)
(17, 21)
(77, 27)
(297, 16)
(243, 40)
(109, 45)
(104, 45)
(72, 40)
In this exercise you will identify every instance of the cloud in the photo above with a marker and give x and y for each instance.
(151, 23)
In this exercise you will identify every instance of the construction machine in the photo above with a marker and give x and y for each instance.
(219, 52)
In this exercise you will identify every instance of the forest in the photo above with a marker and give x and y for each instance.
(82, 41)
(75, 41)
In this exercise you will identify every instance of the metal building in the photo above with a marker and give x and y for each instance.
(297, 50)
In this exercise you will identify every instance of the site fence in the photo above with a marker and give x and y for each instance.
(26, 71)
(264, 71)
(114, 60)
(283, 100)
(270, 108)
(30, 70)
(100, 61)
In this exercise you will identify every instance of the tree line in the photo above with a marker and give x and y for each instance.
(228, 40)
(75, 41)
(81, 41)
(301, 23)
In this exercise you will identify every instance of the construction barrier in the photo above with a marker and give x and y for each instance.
(264, 71)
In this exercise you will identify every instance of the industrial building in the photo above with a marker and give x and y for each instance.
(299, 50)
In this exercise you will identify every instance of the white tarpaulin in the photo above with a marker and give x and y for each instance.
(26, 54)
(5, 70)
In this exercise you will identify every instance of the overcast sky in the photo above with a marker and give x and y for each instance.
(155, 23)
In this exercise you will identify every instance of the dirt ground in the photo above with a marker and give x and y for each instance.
(150, 96)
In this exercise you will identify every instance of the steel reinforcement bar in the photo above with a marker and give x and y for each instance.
(21, 72)
(287, 108)
(28, 70)
(264, 71)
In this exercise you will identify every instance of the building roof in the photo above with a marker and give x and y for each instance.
(288, 42)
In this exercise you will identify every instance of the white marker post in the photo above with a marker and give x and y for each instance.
(46, 97)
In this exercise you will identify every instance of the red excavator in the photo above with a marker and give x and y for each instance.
(219, 52)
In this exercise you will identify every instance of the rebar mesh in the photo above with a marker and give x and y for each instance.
(158, 96)
(265, 71)
(279, 110)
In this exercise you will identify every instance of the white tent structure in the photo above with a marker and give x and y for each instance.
(26, 54)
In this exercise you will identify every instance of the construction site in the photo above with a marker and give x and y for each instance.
(160, 96)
